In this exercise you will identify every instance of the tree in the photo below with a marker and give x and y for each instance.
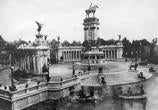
(100, 41)
(65, 43)
(135, 48)
(86, 45)
(74, 43)
(53, 51)
(2, 43)
(126, 47)
(110, 42)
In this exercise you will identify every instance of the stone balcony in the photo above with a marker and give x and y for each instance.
(91, 20)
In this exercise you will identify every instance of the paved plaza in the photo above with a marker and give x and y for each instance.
(117, 73)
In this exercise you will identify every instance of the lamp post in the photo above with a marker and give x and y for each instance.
(131, 55)
(140, 50)
(73, 67)
(12, 81)
(48, 75)
(89, 66)
(126, 56)
(58, 41)
(136, 56)
(13, 88)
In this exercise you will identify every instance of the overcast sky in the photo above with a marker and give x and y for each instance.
(135, 19)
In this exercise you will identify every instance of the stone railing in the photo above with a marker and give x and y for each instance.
(94, 61)
(24, 90)
(63, 83)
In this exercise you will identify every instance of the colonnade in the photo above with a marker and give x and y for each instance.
(69, 55)
(111, 54)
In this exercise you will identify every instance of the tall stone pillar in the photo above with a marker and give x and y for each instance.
(109, 55)
(76, 55)
(118, 56)
(28, 62)
(79, 54)
(115, 54)
(69, 54)
(34, 64)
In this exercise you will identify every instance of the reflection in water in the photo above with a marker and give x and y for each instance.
(134, 105)
(112, 104)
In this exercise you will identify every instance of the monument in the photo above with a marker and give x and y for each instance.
(34, 56)
(91, 24)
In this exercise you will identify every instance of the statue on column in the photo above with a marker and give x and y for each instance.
(91, 9)
(39, 26)
(119, 36)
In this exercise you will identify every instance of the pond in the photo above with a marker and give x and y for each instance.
(110, 103)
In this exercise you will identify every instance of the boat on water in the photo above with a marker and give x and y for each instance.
(151, 69)
(133, 97)
(88, 99)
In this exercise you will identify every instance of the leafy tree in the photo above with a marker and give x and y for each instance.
(65, 43)
(145, 42)
(136, 48)
(100, 41)
(110, 42)
(86, 45)
(75, 43)
(126, 47)
(2, 43)
(53, 51)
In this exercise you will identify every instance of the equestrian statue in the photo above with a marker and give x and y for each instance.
(91, 9)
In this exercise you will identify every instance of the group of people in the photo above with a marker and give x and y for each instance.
(129, 91)
(140, 75)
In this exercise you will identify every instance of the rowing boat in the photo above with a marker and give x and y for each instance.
(143, 96)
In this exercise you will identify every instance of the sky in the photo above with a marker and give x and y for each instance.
(134, 19)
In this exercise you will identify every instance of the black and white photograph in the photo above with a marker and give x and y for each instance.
(78, 55)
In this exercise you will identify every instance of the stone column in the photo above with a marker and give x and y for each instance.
(72, 57)
(25, 65)
(28, 62)
(66, 55)
(106, 54)
(73, 52)
(118, 56)
(79, 54)
(34, 66)
(63, 56)
(76, 55)
(112, 54)
(69, 55)
(38, 64)
(115, 54)
(109, 55)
